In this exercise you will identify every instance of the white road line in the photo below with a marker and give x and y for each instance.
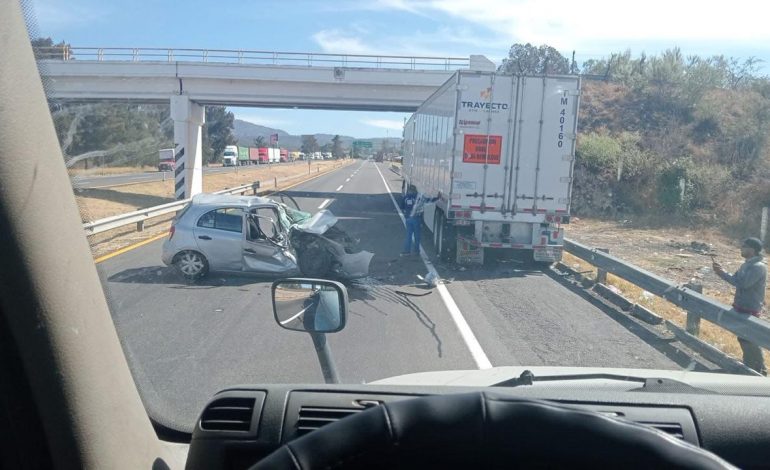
(338, 188)
(482, 361)
(347, 180)
(295, 316)
(325, 203)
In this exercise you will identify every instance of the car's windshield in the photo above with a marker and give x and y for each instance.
(495, 183)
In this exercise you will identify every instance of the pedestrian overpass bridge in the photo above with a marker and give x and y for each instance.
(192, 78)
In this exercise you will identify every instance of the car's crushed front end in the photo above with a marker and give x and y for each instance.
(325, 250)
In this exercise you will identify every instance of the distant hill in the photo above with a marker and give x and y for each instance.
(246, 132)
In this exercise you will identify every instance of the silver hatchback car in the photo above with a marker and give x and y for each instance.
(259, 235)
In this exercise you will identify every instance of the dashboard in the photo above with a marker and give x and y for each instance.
(241, 425)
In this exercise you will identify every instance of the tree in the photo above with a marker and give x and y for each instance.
(218, 132)
(526, 59)
(259, 141)
(112, 133)
(309, 144)
(44, 48)
(337, 147)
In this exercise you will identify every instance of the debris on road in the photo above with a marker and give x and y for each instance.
(431, 279)
(412, 294)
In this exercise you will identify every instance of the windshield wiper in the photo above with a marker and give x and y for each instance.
(648, 384)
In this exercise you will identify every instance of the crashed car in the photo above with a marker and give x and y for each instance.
(259, 235)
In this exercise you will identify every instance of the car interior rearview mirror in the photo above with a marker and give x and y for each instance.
(310, 305)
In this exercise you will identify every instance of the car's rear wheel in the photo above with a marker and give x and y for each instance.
(191, 264)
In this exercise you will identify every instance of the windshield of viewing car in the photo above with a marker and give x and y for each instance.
(470, 171)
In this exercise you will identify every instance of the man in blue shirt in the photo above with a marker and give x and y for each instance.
(750, 281)
(413, 205)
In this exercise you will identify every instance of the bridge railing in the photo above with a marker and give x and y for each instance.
(247, 56)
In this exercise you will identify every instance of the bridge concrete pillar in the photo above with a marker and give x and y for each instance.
(188, 119)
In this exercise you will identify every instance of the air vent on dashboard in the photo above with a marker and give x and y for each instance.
(228, 414)
(314, 417)
(672, 429)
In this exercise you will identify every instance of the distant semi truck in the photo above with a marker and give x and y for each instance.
(259, 155)
(166, 160)
(273, 155)
(243, 156)
(230, 155)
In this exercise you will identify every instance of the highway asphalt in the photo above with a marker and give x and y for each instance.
(93, 182)
(187, 341)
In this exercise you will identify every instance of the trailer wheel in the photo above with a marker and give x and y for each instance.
(446, 246)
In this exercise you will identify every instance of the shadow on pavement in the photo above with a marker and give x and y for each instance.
(370, 291)
(164, 275)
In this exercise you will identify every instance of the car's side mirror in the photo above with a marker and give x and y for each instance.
(310, 305)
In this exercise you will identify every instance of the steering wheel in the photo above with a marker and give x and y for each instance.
(485, 430)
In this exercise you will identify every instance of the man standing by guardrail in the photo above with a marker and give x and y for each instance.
(750, 283)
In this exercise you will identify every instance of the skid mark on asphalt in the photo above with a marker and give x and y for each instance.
(375, 289)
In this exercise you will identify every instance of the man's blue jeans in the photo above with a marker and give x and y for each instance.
(413, 227)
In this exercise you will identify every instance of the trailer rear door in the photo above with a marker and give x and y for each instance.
(484, 138)
(546, 124)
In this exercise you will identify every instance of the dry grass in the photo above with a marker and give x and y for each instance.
(709, 332)
(650, 248)
(98, 203)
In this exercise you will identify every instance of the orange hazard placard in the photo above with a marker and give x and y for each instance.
(475, 149)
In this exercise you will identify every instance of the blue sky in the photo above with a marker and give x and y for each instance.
(457, 28)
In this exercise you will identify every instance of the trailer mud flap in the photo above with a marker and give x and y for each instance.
(469, 252)
(550, 253)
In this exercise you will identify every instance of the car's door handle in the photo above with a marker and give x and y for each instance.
(204, 237)
(249, 251)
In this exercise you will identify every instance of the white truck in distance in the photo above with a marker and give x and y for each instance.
(166, 161)
(230, 155)
(497, 151)
(274, 155)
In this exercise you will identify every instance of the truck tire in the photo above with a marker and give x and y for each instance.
(445, 237)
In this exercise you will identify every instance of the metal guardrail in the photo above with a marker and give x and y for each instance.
(140, 216)
(696, 304)
(245, 56)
